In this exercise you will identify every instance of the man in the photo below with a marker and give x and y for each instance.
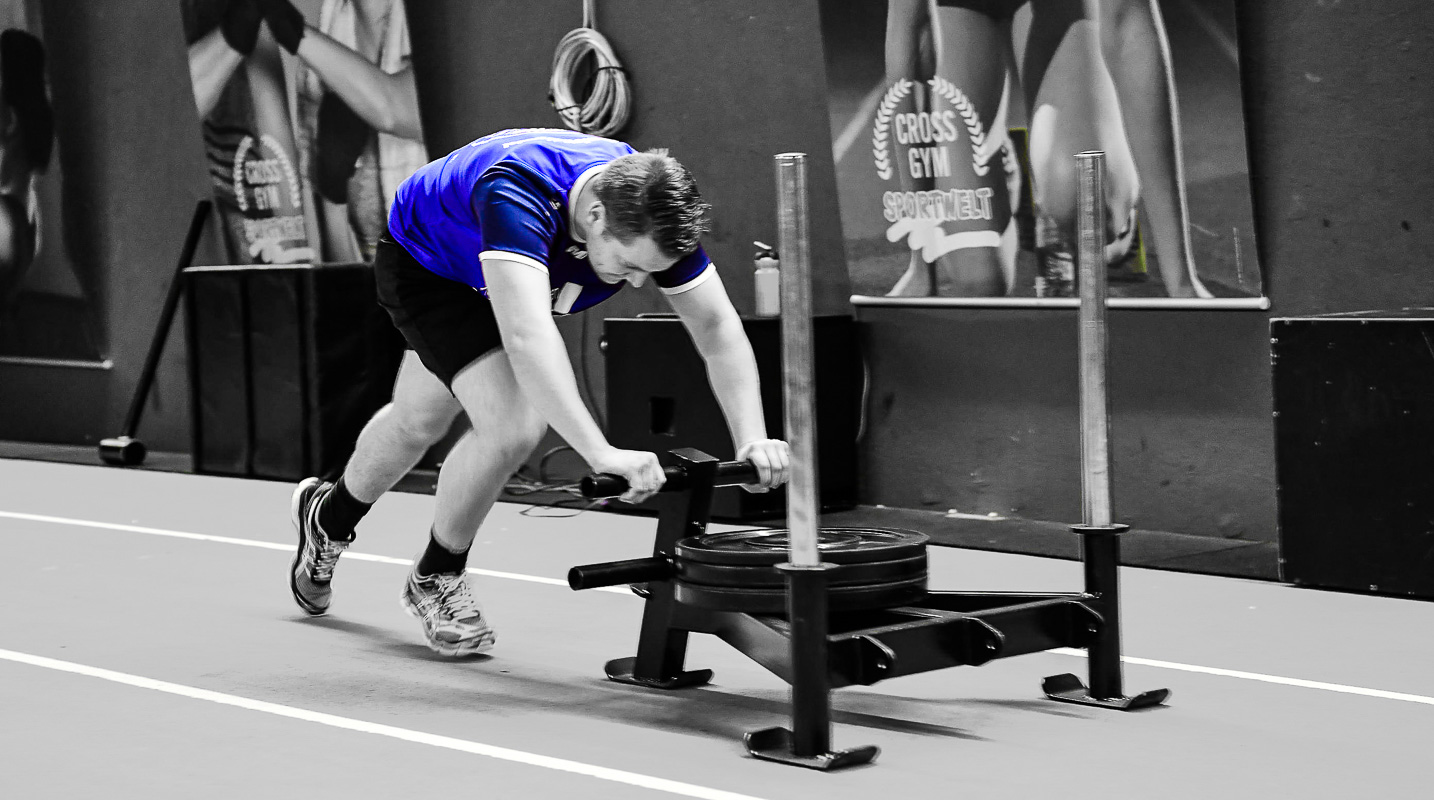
(484, 247)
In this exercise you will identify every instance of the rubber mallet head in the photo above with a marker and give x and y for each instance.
(122, 451)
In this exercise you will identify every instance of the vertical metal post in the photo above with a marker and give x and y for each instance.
(661, 647)
(662, 641)
(1100, 547)
(1100, 536)
(808, 743)
(806, 585)
(800, 420)
(1100, 543)
(1091, 280)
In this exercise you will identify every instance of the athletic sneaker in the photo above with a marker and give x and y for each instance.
(312, 570)
(453, 621)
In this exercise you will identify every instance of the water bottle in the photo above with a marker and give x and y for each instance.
(768, 282)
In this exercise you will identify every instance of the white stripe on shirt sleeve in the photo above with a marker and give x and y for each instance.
(694, 283)
(501, 255)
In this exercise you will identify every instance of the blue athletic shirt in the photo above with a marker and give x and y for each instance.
(508, 196)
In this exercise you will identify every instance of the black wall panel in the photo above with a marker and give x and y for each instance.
(288, 365)
(1354, 436)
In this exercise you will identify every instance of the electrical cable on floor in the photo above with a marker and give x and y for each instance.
(581, 54)
(524, 483)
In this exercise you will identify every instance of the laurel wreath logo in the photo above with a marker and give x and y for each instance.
(879, 132)
(958, 100)
(241, 154)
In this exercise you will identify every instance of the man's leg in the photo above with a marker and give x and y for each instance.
(421, 412)
(505, 430)
(400, 433)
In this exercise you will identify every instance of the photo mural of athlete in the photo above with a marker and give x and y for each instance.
(359, 129)
(1073, 101)
(1071, 107)
(484, 247)
(1097, 76)
(1136, 52)
(48, 298)
(941, 131)
(242, 98)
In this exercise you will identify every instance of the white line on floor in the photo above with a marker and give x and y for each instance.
(1147, 662)
(288, 548)
(417, 737)
(1255, 676)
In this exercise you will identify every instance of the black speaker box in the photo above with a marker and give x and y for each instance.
(659, 399)
(1354, 450)
(286, 365)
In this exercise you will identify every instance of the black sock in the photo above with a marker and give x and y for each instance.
(339, 512)
(439, 560)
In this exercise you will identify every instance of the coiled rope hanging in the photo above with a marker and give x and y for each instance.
(608, 105)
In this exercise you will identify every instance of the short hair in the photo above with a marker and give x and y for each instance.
(652, 194)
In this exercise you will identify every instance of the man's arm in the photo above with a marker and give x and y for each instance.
(717, 331)
(520, 296)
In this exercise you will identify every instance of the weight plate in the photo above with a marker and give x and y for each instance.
(769, 547)
(774, 600)
(760, 575)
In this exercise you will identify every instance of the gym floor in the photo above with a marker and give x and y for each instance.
(149, 648)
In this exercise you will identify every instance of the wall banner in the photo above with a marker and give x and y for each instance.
(310, 122)
(955, 124)
(50, 307)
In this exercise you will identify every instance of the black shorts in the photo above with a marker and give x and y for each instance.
(449, 324)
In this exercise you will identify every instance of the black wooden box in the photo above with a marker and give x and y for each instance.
(286, 365)
(1354, 450)
(659, 399)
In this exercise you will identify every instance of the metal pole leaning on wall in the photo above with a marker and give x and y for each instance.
(808, 743)
(126, 449)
